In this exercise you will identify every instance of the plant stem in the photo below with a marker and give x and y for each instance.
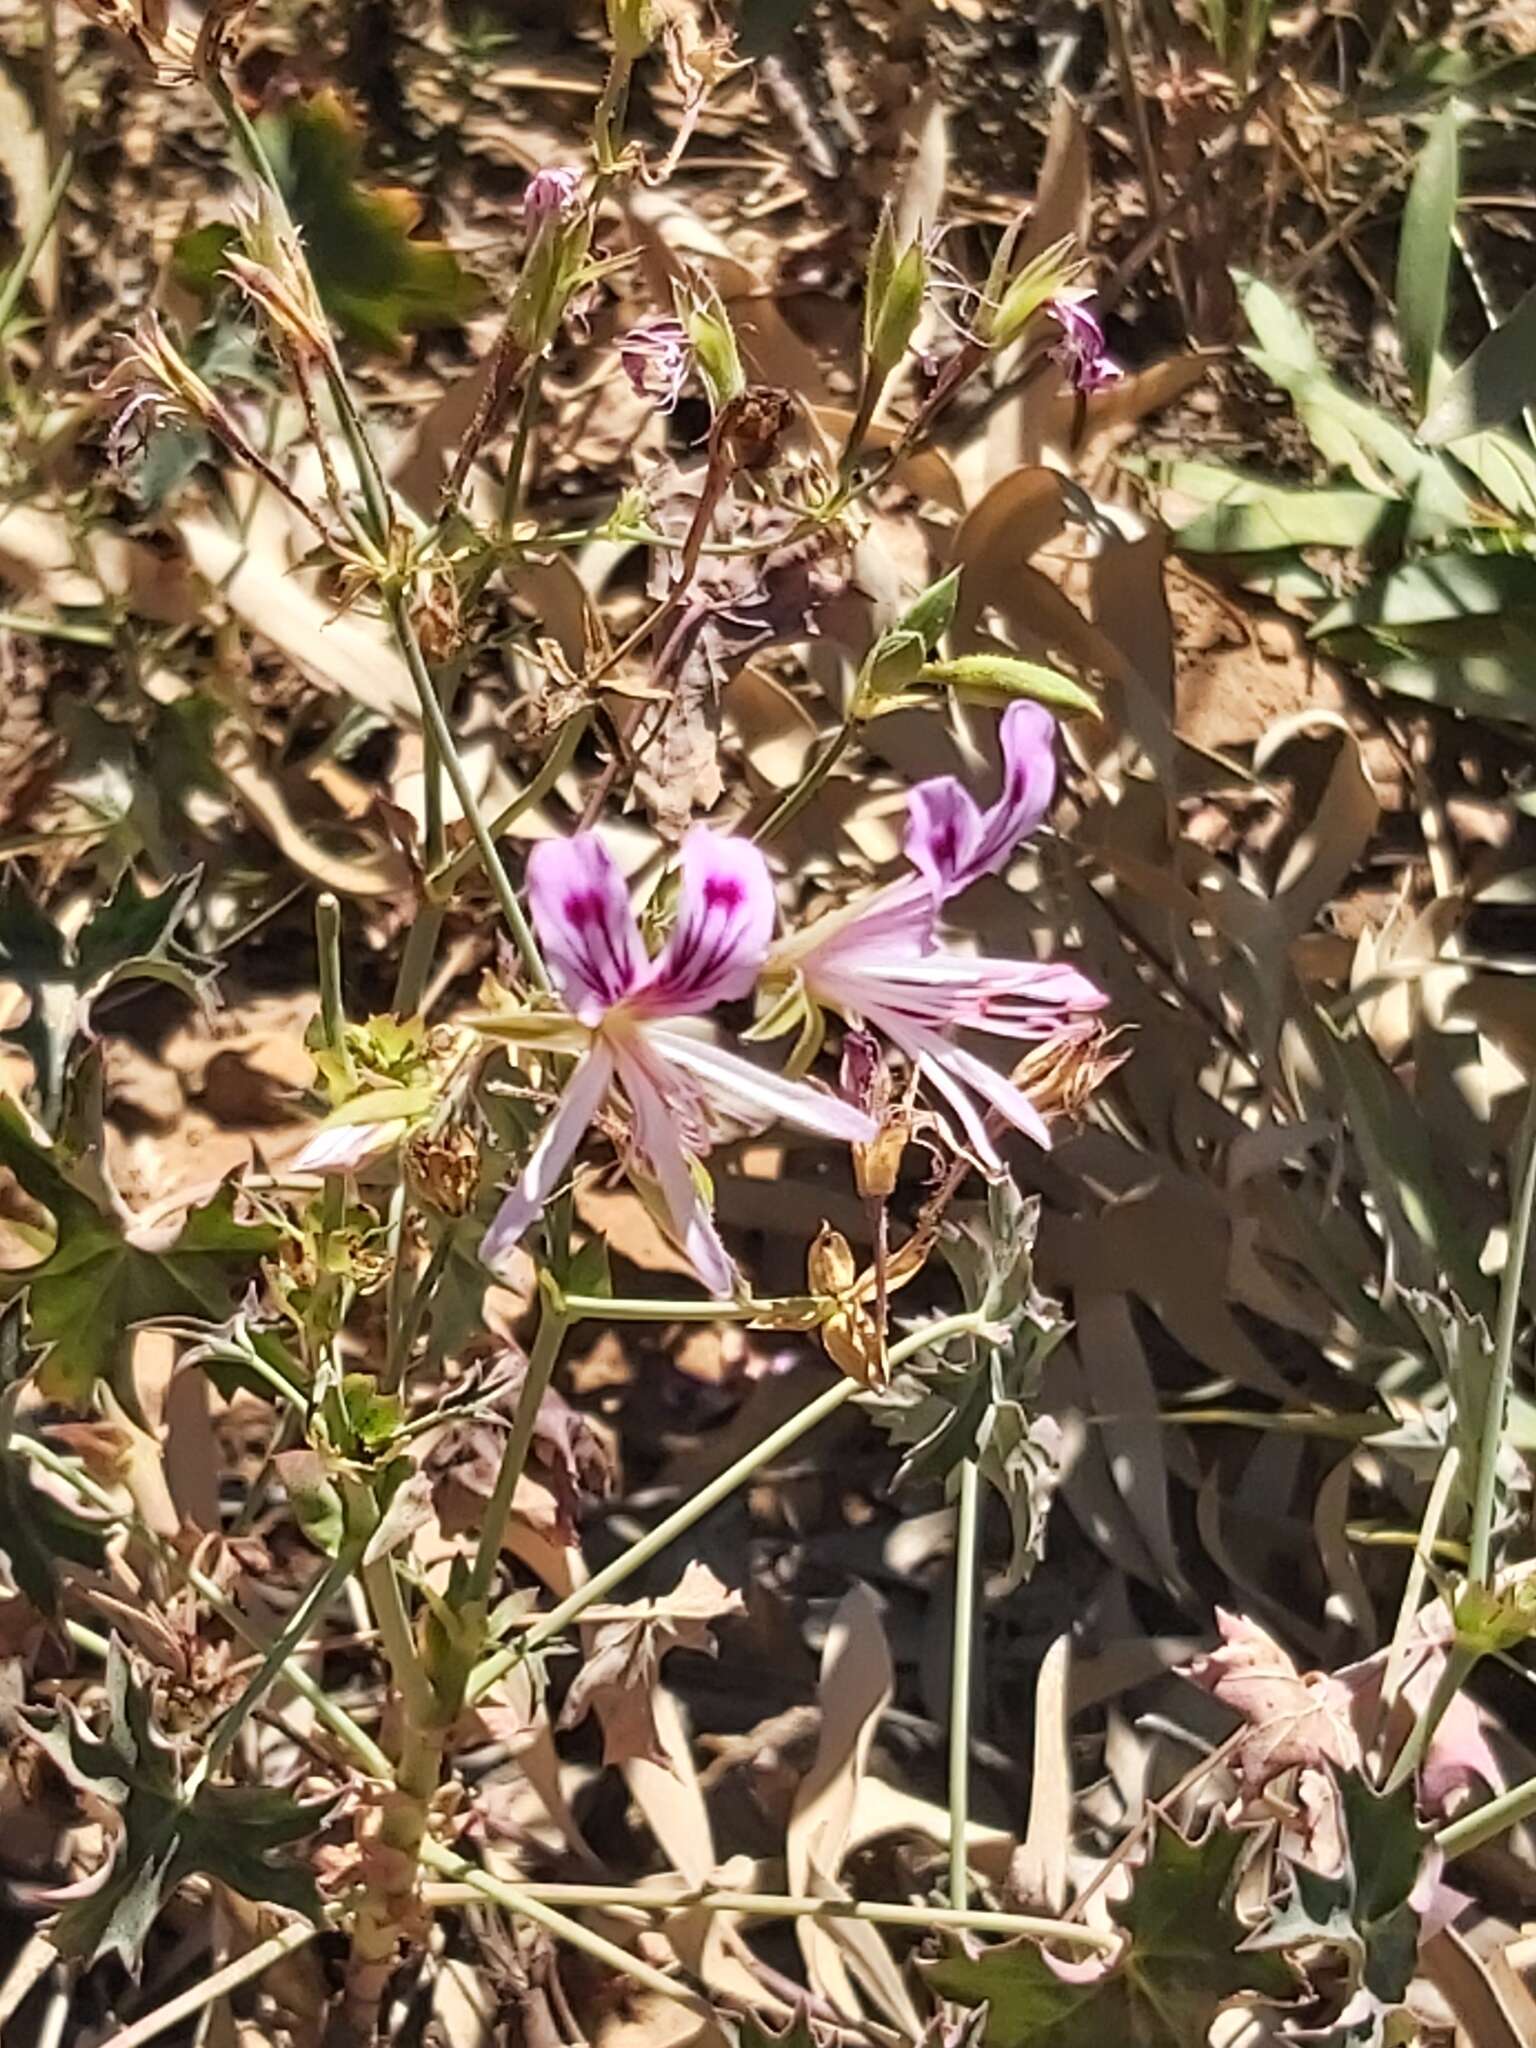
(58, 629)
(553, 1324)
(794, 801)
(1460, 1662)
(556, 761)
(962, 1665)
(382, 1585)
(522, 435)
(1485, 1489)
(437, 729)
(513, 1899)
(600, 1308)
(333, 1014)
(785, 1906)
(322, 1589)
(1471, 1830)
(16, 277)
(608, 120)
(709, 1497)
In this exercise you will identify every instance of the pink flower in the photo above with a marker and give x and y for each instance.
(631, 1024)
(879, 963)
(550, 195)
(656, 357)
(1081, 349)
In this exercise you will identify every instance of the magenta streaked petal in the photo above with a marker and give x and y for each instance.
(754, 1096)
(725, 915)
(660, 1149)
(550, 1157)
(1028, 737)
(943, 834)
(1081, 351)
(656, 356)
(587, 929)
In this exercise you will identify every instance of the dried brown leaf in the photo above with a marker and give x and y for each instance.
(856, 1683)
(1294, 1719)
(618, 1680)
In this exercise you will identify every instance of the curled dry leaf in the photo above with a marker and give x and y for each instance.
(1294, 1719)
(568, 1464)
(734, 607)
(618, 1680)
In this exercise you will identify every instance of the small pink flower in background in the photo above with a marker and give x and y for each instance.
(879, 963)
(1081, 350)
(657, 357)
(632, 1026)
(550, 195)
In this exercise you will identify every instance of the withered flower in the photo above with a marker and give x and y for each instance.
(849, 1332)
(273, 274)
(1060, 1074)
(157, 386)
(867, 1083)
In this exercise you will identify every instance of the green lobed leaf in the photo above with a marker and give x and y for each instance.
(234, 1833)
(1184, 1960)
(1492, 385)
(977, 1406)
(1256, 520)
(1424, 250)
(1363, 1912)
(132, 936)
(1488, 685)
(1445, 589)
(375, 276)
(84, 1299)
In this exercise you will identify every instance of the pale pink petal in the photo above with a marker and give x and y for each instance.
(895, 923)
(957, 1075)
(943, 834)
(342, 1148)
(585, 925)
(724, 922)
(547, 1162)
(934, 1069)
(1028, 737)
(1011, 1103)
(661, 1151)
(755, 1096)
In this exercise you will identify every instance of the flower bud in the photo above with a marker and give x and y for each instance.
(930, 614)
(893, 296)
(897, 658)
(631, 28)
(714, 346)
(997, 679)
(890, 668)
(1010, 303)
(550, 195)
(561, 231)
